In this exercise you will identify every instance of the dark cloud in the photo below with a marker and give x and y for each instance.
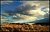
(46, 15)
(21, 10)
(24, 9)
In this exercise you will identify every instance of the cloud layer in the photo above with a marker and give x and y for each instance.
(29, 11)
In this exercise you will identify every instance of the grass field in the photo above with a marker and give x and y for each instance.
(24, 28)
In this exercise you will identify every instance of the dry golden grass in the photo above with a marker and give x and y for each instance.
(24, 28)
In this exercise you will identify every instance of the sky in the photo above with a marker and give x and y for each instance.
(24, 11)
(10, 6)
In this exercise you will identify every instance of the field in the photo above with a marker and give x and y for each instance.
(24, 27)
